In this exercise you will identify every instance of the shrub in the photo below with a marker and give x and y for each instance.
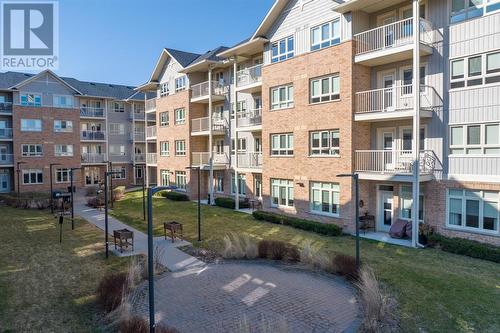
(263, 249)
(90, 191)
(317, 227)
(277, 250)
(119, 192)
(239, 247)
(466, 247)
(28, 200)
(174, 196)
(111, 290)
(137, 324)
(293, 254)
(230, 203)
(346, 266)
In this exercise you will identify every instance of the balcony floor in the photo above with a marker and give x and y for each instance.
(390, 115)
(205, 99)
(250, 88)
(391, 55)
(367, 175)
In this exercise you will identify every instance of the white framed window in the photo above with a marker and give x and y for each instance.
(63, 150)
(31, 125)
(475, 70)
(118, 107)
(242, 187)
(282, 144)
(29, 99)
(180, 83)
(406, 202)
(63, 126)
(219, 182)
(63, 101)
(31, 150)
(325, 143)
(121, 172)
(282, 97)
(164, 119)
(32, 176)
(475, 139)
(180, 180)
(257, 143)
(473, 210)
(462, 10)
(325, 198)
(62, 175)
(325, 89)
(281, 193)
(116, 129)
(180, 116)
(164, 89)
(180, 148)
(282, 49)
(164, 148)
(407, 76)
(117, 150)
(165, 177)
(325, 35)
(139, 173)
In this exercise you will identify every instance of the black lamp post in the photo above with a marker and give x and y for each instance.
(51, 188)
(199, 200)
(72, 201)
(18, 181)
(355, 176)
(107, 174)
(110, 169)
(151, 192)
(143, 191)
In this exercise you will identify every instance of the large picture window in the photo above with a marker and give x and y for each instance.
(63, 126)
(27, 99)
(164, 148)
(242, 185)
(475, 70)
(325, 198)
(165, 177)
(32, 150)
(180, 148)
(475, 139)
(473, 210)
(180, 116)
(282, 193)
(62, 175)
(283, 49)
(325, 89)
(63, 150)
(31, 125)
(325, 35)
(406, 202)
(282, 97)
(325, 143)
(164, 119)
(180, 180)
(282, 144)
(32, 176)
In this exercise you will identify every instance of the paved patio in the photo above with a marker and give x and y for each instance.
(252, 297)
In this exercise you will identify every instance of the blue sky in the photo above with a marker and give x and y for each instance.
(119, 41)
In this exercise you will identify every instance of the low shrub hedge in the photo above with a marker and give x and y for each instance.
(174, 196)
(308, 225)
(119, 192)
(466, 247)
(230, 203)
(31, 200)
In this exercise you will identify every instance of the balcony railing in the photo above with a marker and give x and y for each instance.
(202, 125)
(6, 159)
(138, 115)
(393, 161)
(150, 104)
(93, 135)
(139, 136)
(395, 98)
(391, 35)
(140, 158)
(6, 107)
(250, 160)
(203, 159)
(247, 118)
(249, 76)
(91, 112)
(151, 158)
(150, 132)
(202, 89)
(94, 158)
(5, 133)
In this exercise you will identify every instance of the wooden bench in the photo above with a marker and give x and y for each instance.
(125, 239)
(175, 228)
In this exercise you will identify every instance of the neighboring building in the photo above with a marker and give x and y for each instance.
(46, 119)
(321, 89)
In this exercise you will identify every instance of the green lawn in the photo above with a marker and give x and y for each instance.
(436, 291)
(47, 286)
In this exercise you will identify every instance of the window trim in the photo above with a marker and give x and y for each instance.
(61, 172)
(182, 188)
(242, 190)
(54, 98)
(282, 56)
(165, 172)
(63, 129)
(165, 152)
(421, 201)
(123, 172)
(482, 138)
(330, 191)
(67, 153)
(330, 146)
(487, 7)
(31, 129)
(35, 95)
(289, 149)
(290, 184)
(182, 80)
(477, 80)
(30, 171)
(331, 96)
(33, 145)
(180, 121)
(325, 43)
(289, 100)
(164, 122)
(180, 152)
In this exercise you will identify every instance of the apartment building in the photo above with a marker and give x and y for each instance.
(46, 119)
(323, 88)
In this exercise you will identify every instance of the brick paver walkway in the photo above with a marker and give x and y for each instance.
(233, 297)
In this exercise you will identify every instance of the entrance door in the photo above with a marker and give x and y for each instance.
(385, 215)
(4, 150)
(387, 146)
(257, 186)
(389, 31)
(4, 182)
(91, 176)
(3, 128)
(389, 95)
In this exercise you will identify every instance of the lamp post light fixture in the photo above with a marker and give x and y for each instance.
(107, 175)
(355, 176)
(18, 180)
(72, 190)
(151, 192)
(51, 187)
(142, 167)
(199, 200)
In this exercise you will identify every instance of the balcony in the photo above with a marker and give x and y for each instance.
(6, 108)
(393, 165)
(151, 158)
(202, 160)
(140, 158)
(137, 115)
(6, 159)
(93, 136)
(249, 79)
(250, 161)
(392, 42)
(394, 103)
(94, 158)
(200, 92)
(138, 136)
(151, 133)
(91, 112)
(200, 126)
(150, 105)
(5, 133)
(249, 119)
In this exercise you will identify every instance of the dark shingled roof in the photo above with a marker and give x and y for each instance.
(211, 55)
(116, 91)
(183, 58)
